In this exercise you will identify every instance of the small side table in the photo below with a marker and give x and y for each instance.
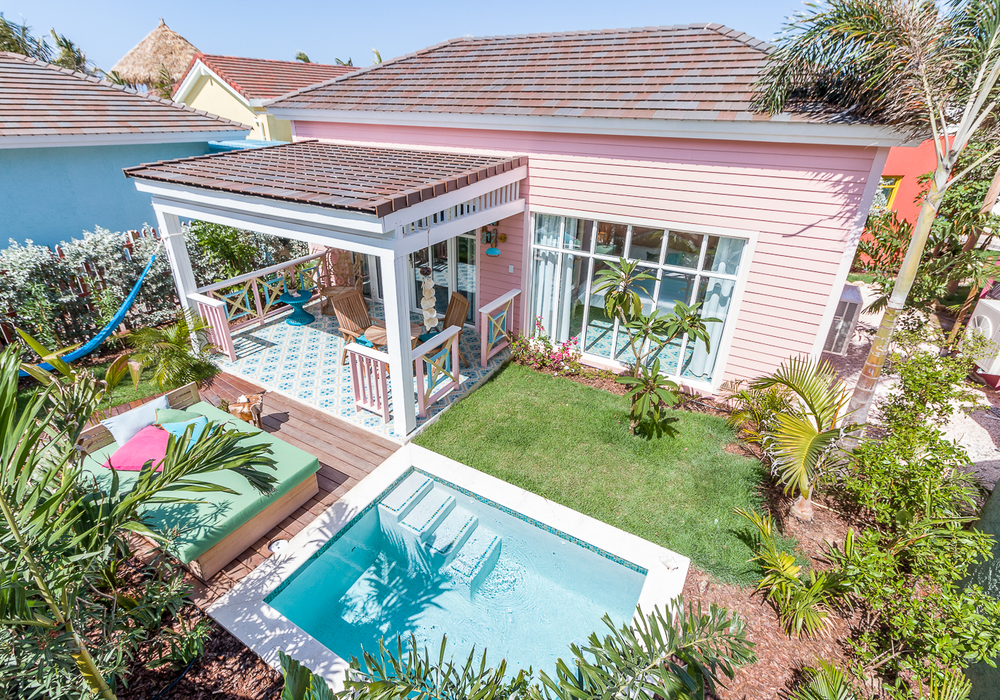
(299, 316)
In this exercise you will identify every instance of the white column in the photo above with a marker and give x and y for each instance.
(397, 324)
(172, 236)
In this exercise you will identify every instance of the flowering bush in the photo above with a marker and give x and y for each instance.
(540, 352)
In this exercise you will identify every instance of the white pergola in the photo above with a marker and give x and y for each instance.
(421, 217)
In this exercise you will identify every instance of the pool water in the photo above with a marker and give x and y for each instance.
(431, 560)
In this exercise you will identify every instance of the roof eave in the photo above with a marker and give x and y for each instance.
(778, 129)
(129, 139)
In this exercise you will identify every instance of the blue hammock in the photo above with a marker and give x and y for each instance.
(115, 321)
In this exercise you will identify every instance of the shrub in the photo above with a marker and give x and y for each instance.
(540, 352)
(170, 350)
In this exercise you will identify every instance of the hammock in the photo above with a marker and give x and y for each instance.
(115, 321)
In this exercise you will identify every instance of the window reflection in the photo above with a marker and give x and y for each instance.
(611, 239)
(683, 249)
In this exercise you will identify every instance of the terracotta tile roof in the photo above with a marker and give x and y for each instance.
(683, 72)
(41, 100)
(359, 178)
(259, 79)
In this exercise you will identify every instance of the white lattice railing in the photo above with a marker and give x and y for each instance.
(369, 370)
(494, 327)
(490, 200)
(213, 312)
(437, 367)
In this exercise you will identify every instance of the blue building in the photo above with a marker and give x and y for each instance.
(64, 139)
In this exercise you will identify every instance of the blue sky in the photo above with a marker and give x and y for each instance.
(328, 30)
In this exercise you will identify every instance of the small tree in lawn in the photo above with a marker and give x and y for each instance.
(648, 334)
(919, 66)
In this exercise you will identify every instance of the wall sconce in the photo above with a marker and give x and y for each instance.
(492, 239)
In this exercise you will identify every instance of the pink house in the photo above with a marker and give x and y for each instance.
(586, 147)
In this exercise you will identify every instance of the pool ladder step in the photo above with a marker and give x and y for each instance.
(426, 514)
(451, 533)
(477, 557)
(401, 500)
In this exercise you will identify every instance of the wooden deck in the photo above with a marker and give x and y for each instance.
(346, 455)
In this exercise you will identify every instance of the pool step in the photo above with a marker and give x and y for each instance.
(477, 557)
(401, 500)
(427, 513)
(447, 539)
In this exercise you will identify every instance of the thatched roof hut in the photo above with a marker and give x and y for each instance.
(161, 47)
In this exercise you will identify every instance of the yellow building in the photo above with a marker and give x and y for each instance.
(237, 88)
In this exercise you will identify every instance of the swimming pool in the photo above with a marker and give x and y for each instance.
(428, 546)
(433, 559)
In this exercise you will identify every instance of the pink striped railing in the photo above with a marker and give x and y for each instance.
(213, 312)
(369, 370)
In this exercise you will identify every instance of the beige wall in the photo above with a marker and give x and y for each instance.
(214, 97)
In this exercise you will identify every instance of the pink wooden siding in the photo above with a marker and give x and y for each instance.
(495, 278)
(802, 200)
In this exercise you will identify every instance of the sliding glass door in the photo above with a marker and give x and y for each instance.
(453, 266)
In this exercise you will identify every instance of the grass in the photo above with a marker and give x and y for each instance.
(864, 277)
(125, 392)
(570, 443)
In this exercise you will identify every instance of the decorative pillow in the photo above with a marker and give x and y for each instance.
(124, 427)
(173, 415)
(150, 443)
(177, 429)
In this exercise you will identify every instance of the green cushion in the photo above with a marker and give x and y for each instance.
(173, 415)
(200, 526)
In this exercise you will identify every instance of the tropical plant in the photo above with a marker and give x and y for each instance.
(671, 654)
(649, 393)
(70, 55)
(348, 62)
(649, 333)
(61, 531)
(915, 65)
(378, 57)
(178, 648)
(803, 446)
(825, 682)
(163, 84)
(17, 38)
(303, 57)
(540, 352)
(803, 603)
(301, 683)
(178, 353)
(755, 410)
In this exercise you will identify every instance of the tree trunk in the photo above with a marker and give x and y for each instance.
(864, 392)
(803, 507)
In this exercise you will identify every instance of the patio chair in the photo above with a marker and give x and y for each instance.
(342, 275)
(457, 312)
(352, 316)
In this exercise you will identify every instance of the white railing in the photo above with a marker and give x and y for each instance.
(437, 367)
(213, 312)
(369, 370)
(494, 327)
(490, 200)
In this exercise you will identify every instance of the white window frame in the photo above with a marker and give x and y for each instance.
(732, 320)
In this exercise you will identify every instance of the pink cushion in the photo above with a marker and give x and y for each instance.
(150, 443)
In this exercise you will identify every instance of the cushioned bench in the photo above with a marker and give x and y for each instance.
(212, 533)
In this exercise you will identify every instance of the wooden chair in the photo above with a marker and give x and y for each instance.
(342, 275)
(352, 315)
(458, 311)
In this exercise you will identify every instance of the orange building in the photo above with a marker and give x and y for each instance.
(900, 188)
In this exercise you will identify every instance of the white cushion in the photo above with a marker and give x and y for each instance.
(124, 427)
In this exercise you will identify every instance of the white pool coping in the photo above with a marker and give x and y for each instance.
(243, 612)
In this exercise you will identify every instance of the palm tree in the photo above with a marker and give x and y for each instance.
(302, 56)
(59, 533)
(171, 350)
(803, 442)
(921, 66)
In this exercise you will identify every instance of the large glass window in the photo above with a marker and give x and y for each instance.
(568, 254)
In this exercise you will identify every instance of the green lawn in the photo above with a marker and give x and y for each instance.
(570, 443)
(125, 392)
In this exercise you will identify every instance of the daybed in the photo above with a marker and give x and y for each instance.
(212, 533)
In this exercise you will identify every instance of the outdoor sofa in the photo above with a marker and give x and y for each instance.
(213, 532)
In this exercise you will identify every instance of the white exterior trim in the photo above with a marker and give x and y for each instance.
(69, 140)
(778, 129)
(198, 71)
(725, 345)
(850, 248)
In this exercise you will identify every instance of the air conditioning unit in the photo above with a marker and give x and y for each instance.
(844, 321)
(986, 320)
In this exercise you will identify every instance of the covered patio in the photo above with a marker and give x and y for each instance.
(419, 222)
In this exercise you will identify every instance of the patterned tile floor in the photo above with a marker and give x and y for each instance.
(303, 362)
